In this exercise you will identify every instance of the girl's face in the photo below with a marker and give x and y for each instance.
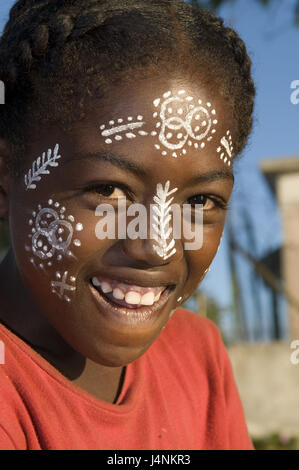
(157, 142)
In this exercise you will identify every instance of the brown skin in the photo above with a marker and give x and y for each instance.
(75, 338)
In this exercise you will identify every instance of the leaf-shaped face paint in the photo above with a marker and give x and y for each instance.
(162, 219)
(39, 167)
(226, 149)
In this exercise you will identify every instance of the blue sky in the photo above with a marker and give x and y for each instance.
(273, 44)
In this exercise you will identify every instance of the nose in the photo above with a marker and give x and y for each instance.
(157, 246)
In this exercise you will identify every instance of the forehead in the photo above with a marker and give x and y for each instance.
(166, 126)
(175, 118)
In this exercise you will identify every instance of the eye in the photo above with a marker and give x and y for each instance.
(107, 190)
(208, 203)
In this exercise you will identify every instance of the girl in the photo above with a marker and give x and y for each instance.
(112, 105)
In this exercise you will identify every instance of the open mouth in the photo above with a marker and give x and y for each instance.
(126, 312)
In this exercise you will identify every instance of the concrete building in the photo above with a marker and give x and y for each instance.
(282, 176)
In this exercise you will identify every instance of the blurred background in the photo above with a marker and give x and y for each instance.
(252, 289)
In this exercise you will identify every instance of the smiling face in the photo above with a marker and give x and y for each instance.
(147, 135)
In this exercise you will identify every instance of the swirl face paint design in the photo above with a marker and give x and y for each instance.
(162, 219)
(52, 231)
(52, 234)
(183, 120)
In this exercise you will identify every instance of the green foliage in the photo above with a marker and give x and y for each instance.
(276, 441)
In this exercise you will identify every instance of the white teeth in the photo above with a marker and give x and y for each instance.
(105, 286)
(148, 299)
(133, 298)
(95, 282)
(118, 293)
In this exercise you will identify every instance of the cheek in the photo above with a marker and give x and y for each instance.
(47, 241)
(199, 261)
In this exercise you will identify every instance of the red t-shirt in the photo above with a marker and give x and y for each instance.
(180, 395)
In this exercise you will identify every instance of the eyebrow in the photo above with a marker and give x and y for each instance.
(133, 167)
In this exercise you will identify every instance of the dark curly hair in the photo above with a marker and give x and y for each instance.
(56, 56)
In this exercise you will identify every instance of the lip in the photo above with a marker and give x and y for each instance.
(138, 280)
(142, 316)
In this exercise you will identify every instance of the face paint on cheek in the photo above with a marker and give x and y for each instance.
(53, 233)
(39, 167)
(162, 219)
(62, 285)
(227, 148)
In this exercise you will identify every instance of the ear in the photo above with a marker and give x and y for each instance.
(4, 178)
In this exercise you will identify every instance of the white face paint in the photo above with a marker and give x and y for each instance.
(39, 167)
(183, 122)
(52, 234)
(120, 129)
(226, 149)
(162, 219)
(61, 285)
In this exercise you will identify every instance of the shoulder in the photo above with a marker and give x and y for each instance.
(196, 338)
(198, 328)
(12, 406)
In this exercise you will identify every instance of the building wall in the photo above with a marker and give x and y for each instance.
(268, 384)
(288, 200)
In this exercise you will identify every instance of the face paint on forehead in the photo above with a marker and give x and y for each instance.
(39, 167)
(120, 129)
(162, 219)
(226, 149)
(183, 122)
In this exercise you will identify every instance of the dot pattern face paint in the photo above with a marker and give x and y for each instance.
(120, 129)
(226, 148)
(39, 167)
(183, 121)
(61, 285)
(52, 234)
(162, 219)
